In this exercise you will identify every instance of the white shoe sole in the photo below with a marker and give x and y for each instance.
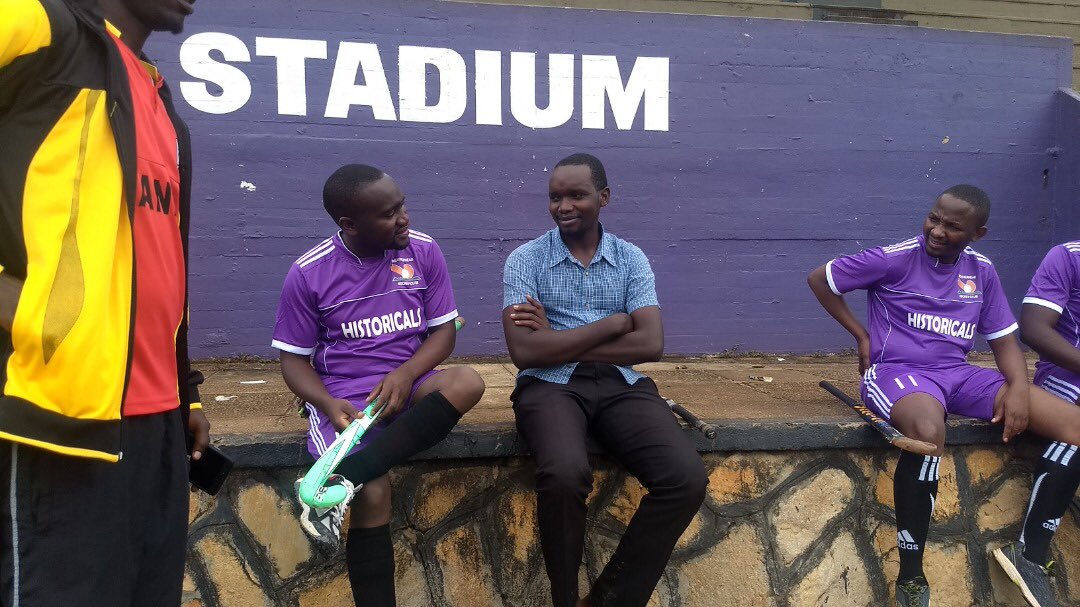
(1014, 575)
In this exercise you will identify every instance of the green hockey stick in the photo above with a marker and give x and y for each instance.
(313, 489)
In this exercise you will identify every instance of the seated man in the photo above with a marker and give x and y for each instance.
(576, 379)
(372, 308)
(1048, 324)
(927, 298)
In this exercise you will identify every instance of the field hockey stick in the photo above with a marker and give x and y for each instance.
(883, 427)
(313, 489)
(708, 430)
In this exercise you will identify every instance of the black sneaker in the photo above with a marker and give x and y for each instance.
(913, 593)
(1032, 578)
(324, 524)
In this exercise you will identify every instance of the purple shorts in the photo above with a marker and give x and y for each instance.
(1057, 381)
(961, 389)
(321, 433)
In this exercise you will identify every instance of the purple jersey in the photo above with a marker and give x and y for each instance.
(360, 319)
(922, 311)
(1056, 285)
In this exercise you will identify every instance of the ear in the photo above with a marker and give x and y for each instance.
(605, 196)
(347, 225)
(979, 233)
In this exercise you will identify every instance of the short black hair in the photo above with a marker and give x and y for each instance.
(974, 196)
(599, 175)
(341, 187)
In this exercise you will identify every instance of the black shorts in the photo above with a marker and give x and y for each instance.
(87, 533)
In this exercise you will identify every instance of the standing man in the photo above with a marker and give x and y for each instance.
(580, 308)
(96, 384)
(928, 296)
(368, 313)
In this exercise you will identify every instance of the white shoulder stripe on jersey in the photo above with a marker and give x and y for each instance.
(1046, 304)
(316, 249)
(421, 236)
(1001, 333)
(312, 260)
(280, 345)
(979, 256)
(902, 249)
(828, 277)
(442, 320)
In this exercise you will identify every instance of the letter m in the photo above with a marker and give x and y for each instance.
(600, 79)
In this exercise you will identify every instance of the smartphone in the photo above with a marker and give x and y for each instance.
(209, 471)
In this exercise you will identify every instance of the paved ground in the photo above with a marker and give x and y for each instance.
(248, 397)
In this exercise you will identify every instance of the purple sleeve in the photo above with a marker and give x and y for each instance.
(1052, 283)
(859, 271)
(995, 318)
(439, 305)
(296, 329)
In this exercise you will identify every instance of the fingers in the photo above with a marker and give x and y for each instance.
(375, 392)
(535, 302)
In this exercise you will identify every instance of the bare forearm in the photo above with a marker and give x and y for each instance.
(10, 288)
(548, 348)
(1050, 345)
(835, 305)
(303, 380)
(644, 344)
(1010, 359)
(435, 349)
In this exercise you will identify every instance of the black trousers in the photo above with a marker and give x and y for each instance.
(85, 532)
(637, 428)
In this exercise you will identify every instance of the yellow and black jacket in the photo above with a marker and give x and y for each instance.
(67, 184)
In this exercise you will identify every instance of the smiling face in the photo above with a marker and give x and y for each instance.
(377, 216)
(574, 201)
(950, 227)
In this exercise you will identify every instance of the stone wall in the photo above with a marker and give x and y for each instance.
(778, 529)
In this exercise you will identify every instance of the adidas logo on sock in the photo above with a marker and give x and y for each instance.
(1052, 524)
(905, 541)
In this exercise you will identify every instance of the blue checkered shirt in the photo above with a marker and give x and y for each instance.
(618, 279)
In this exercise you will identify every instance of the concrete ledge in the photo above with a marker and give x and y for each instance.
(255, 420)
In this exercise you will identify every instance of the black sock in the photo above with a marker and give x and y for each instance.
(369, 557)
(1057, 475)
(420, 427)
(915, 486)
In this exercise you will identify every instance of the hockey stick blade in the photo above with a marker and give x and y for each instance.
(883, 427)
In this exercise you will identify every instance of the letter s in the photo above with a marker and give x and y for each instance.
(195, 59)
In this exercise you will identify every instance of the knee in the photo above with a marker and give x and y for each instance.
(686, 483)
(928, 430)
(467, 388)
(564, 476)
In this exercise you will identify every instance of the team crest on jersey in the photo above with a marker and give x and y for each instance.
(405, 272)
(968, 288)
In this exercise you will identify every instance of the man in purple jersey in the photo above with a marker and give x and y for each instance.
(368, 313)
(927, 298)
(1048, 323)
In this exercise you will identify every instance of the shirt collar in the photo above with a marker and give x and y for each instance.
(559, 252)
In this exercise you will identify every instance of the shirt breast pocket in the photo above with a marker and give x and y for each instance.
(610, 293)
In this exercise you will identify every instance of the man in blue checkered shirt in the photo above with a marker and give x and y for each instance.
(580, 308)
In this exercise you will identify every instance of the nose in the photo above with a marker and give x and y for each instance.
(938, 233)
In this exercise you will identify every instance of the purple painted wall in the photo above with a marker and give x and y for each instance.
(787, 143)
(1066, 219)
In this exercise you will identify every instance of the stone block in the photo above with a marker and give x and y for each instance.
(693, 530)
(440, 492)
(273, 523)
(600, 478)
(466, 576)
(516, 547)
(985, 464)
(802, 514)
(199, 504)
(1006, 506)
(234, 582)
(334, 593)
(736, 564)
(410, 579)
(190, 596)
(1067, 544)
(743, 477)
(625, 503)
(839, 579)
